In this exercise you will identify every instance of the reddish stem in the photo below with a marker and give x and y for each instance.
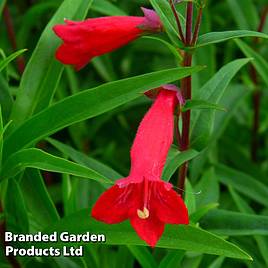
(186, 86)
(12, 38)
(263, 19)
(177, 20)
(189, 23)
(197, 26)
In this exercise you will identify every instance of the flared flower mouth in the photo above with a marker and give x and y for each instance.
(148, 206)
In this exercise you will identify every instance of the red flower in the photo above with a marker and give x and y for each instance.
(142, 197)
(85, 40)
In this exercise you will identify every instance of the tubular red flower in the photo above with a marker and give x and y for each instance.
(142, 197)
(87, 39)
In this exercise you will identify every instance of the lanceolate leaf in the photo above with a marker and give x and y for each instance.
(10, 58)
(212, 91)
(175, 160)
(107, 8)
(83, 159)
(172, 259)
(243, 183)
(235, 223)
(36, 158)
(259, 62)
(15, 210)
(217, 37)
(144, 256)
(175, 236)
(202, 211)
(87, 104)
(6, 99)
(2, 5)
(172, 49)
(37, 199)
(1, 136)
(201, 104)
(246, 15)
(164, 11)
(43, 72)
(244, 207)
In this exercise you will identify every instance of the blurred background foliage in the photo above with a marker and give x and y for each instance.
(226, 173)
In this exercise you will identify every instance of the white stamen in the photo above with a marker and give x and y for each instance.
(143, 214)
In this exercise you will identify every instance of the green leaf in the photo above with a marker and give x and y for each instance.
(202, 211)
(175, 236)
(107, 8)
(87, 104)
(43, 72)
(217, 37)
(6, 100)
(243, 183)
(85, 160)
(217, 263)
(15, 210)
(212, 91)
(260, 64)
(201, 104)
(190, 201)
(245, 15)
(143, 256)
(172, 49)
(232, 99)
(30, 16)
(36, 158)
(243, 206)
(209, 188)
(172, 259)
(1, 136)
(6, 61)
(37, 199)
(175, 160)
(2, 5)
(165, 13)
(226, 222)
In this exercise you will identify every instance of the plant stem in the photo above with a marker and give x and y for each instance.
(189, 23)
(197, 26)
(12, 37)
(256, 97)
(177, 20)
(189, 40)
(263, 19)
(186, 87)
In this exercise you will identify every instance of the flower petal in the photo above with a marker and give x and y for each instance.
(93, 37)
(112, 206)
(67, 55)
(149, 230)
(168, 205)
(154, 138)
